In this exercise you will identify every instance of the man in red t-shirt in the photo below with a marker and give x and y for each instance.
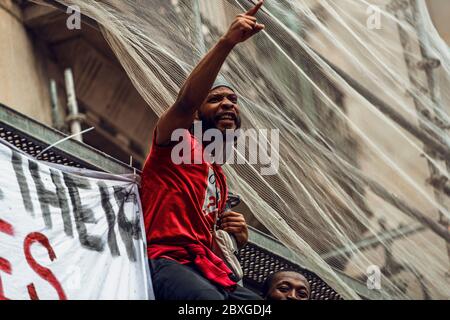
(182, 201)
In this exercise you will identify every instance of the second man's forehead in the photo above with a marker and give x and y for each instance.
(291, 276)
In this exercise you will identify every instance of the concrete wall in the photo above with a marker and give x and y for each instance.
(24, 81)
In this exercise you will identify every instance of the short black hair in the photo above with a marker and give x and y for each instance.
(268, 282)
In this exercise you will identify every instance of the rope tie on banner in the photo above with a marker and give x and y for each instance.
(62, 140)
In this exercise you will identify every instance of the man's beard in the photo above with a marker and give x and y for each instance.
(211, 123)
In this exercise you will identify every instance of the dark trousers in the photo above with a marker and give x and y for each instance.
(174, 281)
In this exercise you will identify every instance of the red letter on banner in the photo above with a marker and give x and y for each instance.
(43, 272)
(5, 265)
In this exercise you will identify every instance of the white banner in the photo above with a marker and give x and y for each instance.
(69, 233)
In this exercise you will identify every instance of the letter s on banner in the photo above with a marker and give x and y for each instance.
(43, 272)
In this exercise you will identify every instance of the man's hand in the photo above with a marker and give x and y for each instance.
(244, 26)
(196, 88)
(234, 223)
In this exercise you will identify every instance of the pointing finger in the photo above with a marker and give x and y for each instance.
(255, 9)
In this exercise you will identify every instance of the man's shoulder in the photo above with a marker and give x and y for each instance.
(176, 152)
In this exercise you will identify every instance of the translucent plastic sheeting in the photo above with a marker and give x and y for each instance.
(360, 93)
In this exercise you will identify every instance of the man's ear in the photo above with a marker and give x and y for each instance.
(196, 115)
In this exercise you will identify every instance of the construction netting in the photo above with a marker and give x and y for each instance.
(359, 91)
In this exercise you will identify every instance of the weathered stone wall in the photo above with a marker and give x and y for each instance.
(23, 70)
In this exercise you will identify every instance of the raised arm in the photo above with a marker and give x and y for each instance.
(196, 88)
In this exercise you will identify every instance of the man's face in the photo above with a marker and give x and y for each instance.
(289, 286)
(220, 110)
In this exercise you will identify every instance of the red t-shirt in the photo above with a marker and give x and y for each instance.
(180, 207)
